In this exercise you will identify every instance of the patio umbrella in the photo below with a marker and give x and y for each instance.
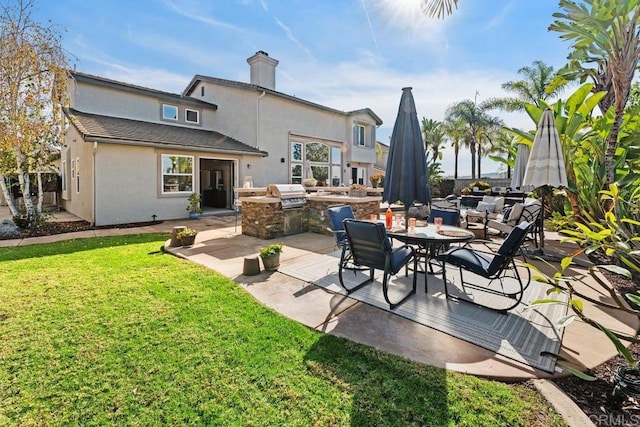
(522, 157)
(546, 162)
(406, 179)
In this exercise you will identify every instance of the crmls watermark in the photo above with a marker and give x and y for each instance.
(615, 420)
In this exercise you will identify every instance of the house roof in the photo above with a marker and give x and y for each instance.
(168, 96)
(248, 86)
(116, 130)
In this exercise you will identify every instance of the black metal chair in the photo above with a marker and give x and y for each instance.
(492, 266)
(449, 216)
(528, 211)
(337, 215)
(371, 247)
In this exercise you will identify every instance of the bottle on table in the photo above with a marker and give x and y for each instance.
(388, 218)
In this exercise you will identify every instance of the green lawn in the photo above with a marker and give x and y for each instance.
(112, 330)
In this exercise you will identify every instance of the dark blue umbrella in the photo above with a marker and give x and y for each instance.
(406, 178)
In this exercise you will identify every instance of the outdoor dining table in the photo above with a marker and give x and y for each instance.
(427, 236)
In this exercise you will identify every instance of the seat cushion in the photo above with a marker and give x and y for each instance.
(476, 262)
(399, 257)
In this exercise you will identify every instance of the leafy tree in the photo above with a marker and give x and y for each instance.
(606, 48)
(433, 136)
(33, 78)
(534, 87)
(478, 125)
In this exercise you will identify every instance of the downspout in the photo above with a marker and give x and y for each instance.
(258, 119)
(93, 196)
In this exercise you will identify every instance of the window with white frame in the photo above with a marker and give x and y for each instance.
(359, 135)
(177, 173)
(169, 112)
(316, 160)
(192, 116)
(63, 175)
(77, 174)
(73, 169)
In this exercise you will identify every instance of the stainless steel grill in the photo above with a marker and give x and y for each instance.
(290, 195)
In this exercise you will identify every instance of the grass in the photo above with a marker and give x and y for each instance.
(113, 331)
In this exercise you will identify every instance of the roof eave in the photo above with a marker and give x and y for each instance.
(105, 140)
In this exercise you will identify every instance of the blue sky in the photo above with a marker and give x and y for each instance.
(345, 54)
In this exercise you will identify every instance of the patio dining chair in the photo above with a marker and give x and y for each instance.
(490, 271)
(371, 247)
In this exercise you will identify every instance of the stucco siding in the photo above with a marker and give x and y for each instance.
(79, 194)
(128, 188)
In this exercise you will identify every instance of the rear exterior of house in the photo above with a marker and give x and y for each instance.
(134, 154)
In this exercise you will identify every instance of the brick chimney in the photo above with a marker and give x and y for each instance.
(263, 70)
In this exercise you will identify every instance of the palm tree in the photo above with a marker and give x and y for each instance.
(535, 85)
(607, 35)
(477, 123)
(438, 8)
(433, 136)
(456, 131)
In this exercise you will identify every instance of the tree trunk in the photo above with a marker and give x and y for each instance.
(40, 194)
(455, 170)
(472, 148)
(479, 161)
(8, 196)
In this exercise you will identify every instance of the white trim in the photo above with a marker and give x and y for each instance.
(186, 116)
(175, 119)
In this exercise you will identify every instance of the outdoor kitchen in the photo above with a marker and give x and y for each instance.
(287, 209)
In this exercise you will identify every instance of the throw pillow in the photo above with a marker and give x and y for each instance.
(506, 213)
(516, 212)
(486, 207)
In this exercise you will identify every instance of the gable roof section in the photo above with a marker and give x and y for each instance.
(116, 130)
(167, 96)
(247, 86)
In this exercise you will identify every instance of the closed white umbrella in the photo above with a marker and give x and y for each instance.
(546, 162)
(522, 158)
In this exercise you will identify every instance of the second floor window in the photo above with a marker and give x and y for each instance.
(360, 135)
(192, 116)
(169, 112)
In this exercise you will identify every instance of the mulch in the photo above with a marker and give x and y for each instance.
(51, 228)
(593, 397)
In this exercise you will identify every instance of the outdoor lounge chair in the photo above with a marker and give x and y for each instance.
(371, 247)
(488, 271)
(529, 211)
(488, 208)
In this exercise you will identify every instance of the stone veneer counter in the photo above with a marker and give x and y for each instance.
(263, 216)
(317, 219)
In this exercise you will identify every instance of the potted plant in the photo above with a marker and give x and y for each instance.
(357, 190)
(309, 182)
(376, 179)
(271, 256)
(187, 236)
(194, 205)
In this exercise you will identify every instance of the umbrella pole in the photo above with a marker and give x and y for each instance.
(406, 220)
(541, 222)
